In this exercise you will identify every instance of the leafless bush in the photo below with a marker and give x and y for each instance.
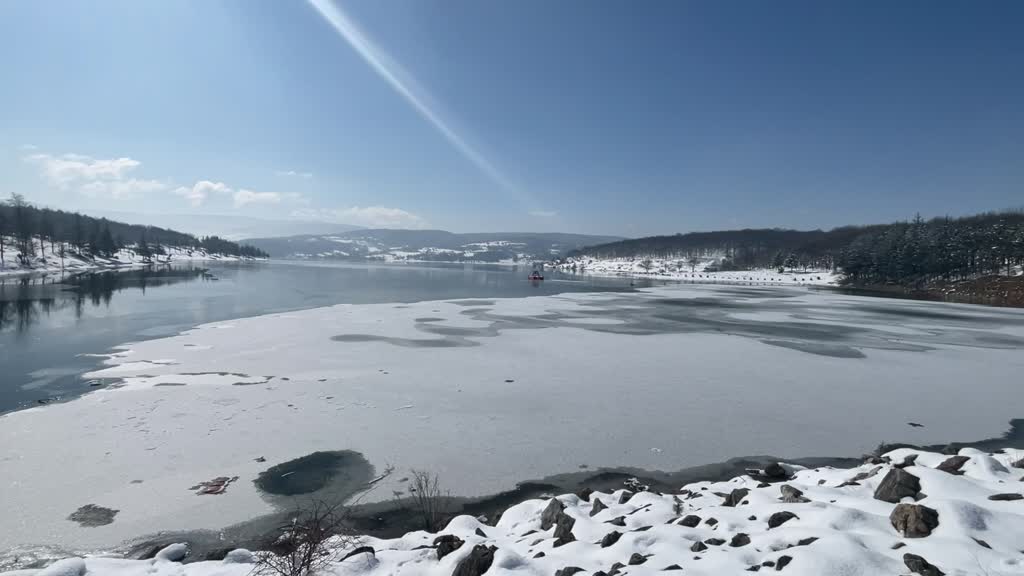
(430, 503)
(305, 545)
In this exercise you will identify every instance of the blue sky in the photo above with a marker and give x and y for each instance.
(595, 116)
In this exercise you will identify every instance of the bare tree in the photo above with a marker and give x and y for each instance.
(316, 536)
(3, 230)
(429, 501)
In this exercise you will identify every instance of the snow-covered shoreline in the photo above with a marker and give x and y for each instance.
(910, 511)
(124, 259)
(699, 271)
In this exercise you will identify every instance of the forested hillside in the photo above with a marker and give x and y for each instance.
(914, 252)
(33, 231)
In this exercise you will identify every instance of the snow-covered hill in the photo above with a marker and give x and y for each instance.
(908, 512)
(704, 269)
(426, 246)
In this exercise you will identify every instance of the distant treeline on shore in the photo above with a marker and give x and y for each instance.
(906, 253)
(36, 230)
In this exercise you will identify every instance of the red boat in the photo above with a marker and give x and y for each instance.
(536, 276)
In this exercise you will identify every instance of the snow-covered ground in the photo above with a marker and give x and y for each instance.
(805, 522)
(125, 258)
(700, 272)
(490, 393)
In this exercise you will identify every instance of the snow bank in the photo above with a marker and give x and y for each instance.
(702, 272)
(488, 393)
(832, 524)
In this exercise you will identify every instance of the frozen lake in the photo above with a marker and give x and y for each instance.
(490, 391)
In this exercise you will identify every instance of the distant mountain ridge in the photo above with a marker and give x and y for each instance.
(393, 245)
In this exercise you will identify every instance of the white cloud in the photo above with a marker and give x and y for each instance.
(295, 174)
(110, 177)
(543, 213)
(369, 216)
(243, 197)
(201, 190)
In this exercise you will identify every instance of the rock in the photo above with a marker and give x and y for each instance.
(855, 481)
(563, 530)
(807, 541)
(610, 538)
(739, 540)
(763, 485)
(173, 553)
(953, 464)
(568, 571)
(65, 567)
(782, 562)
(752, 518)
(1018, 463)
(551, 513)
(768, 563)
(480, 533)
(600, 573)
(714, 541)
(1010, 496)
(921, 566)
(907, 462)
(671, 567)
(776, 471)
(897, 485)
(735, 497)
(636, 559)
(642, 529)
(239, 556)
(584, 494)
(617, 521)
(981, 543)
(477, 562)
(754, 568)
(914, 520)
(711, 521)
(690, 521)
(446, 544)
(780, 518)
(625, 496)
(698, 547)
(792, 495)
(540, 554)
(898, 545)
(597, 507)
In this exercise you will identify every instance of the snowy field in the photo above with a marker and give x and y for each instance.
(820, 522)
(487, 393)
(680, 269)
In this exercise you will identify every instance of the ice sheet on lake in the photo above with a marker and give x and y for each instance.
(599, 379)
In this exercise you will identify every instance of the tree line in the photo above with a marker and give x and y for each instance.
(909, 253)
(33, 231)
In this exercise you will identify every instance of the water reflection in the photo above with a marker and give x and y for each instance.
(24, 301)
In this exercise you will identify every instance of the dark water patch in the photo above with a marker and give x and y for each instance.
(429, 319)
(92, 515)
(408, 342)
(171, 384)
(344, 469)
(818, 349)
(473, 302)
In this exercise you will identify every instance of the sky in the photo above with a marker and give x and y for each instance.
(592, 116)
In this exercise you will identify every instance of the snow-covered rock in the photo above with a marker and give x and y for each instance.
(841, 529)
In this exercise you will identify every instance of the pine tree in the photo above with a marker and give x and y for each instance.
(3, 231)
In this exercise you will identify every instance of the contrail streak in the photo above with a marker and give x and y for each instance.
(402, 82)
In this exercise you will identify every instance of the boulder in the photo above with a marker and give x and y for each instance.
(1018, 463)
(907, 462)
(698, 547)
(636, 559)
(671, 568)
(897, 485)
(479, 532)
(568, 571)
(919, 565)
(551, 513)
(563, 530)
(446, 544)
(782, 562)
(597, 507)
(735, 497)
(625, 496)
(610, 538)
(1009, 496)
(714, 541)
(739, 540)
(807, 541)
(779, 518)
(239, 556)
(477, 562)
(914, 520)
(584, 494)
(711, 521)
(690, 521)
(792, 495)
(953, 464)
(776, 471)
(617, 521)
